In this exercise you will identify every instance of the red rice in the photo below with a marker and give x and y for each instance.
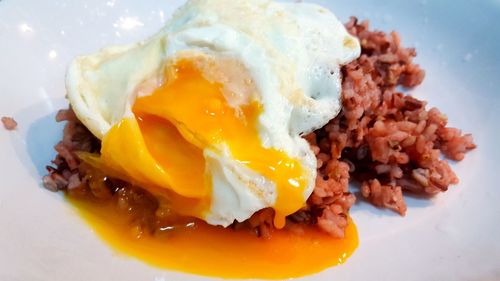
(383, 138)
(9, 123)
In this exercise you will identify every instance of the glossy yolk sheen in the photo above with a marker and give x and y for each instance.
(162, 148)
(222, 252)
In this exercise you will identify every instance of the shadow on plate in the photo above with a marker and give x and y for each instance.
(37, 134)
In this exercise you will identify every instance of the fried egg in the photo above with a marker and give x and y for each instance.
(208, 113)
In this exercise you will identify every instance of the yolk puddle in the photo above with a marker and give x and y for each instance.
(162, 146)
(206, 250)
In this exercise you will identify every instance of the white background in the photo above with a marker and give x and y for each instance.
(451, 237)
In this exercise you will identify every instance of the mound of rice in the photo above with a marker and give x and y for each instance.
(386, 140)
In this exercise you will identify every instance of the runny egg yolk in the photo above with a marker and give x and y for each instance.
(197, 248)
(161, 148)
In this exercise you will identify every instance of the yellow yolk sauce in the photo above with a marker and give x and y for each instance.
(198, 248)
(162, 146)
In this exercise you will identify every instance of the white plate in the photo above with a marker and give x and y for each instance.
(451, 237)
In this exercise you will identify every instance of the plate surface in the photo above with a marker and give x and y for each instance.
(454, 236)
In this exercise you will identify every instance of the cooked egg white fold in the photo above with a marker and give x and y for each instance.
(291, 53)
